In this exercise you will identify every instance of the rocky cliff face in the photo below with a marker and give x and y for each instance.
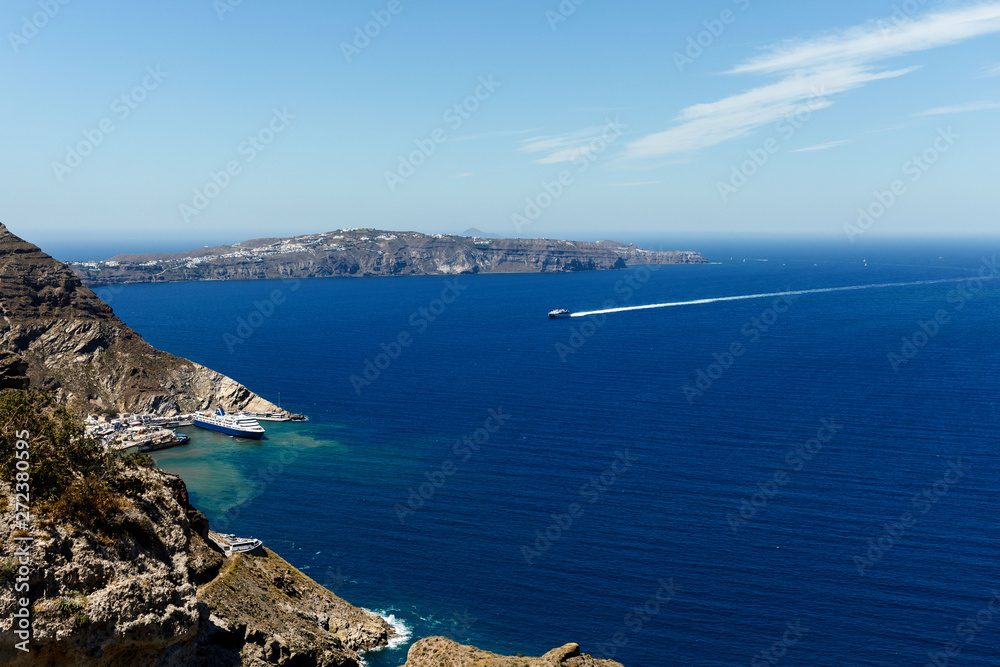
(443, 652)
(368, 252)
(127, 594)
(57, 334)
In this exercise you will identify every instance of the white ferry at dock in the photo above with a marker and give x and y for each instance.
(238, 426)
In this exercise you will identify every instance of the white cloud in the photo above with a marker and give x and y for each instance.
(992, 70)
(810, 72)
(488, 135)
(960, 108)
(878, 40)
(822, 147)
(566, 147)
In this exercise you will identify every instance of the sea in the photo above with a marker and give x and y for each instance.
(795, 479)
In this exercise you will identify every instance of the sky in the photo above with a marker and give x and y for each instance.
(166, 126)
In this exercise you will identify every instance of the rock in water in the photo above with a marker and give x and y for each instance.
(443, 652)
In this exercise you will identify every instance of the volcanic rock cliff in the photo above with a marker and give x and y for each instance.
(141, 585)
(443, 652)
(57, 334)
(369, 252)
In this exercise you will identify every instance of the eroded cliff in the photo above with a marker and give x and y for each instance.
(57, 334)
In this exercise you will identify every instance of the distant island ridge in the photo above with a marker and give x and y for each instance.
(372, 252)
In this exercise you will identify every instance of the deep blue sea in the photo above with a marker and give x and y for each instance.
(750, 482)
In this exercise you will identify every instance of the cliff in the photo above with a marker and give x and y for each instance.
(443, 652)
(57, 334)
(112, 570)
(368, 252)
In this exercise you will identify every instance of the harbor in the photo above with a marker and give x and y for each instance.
(129, 433)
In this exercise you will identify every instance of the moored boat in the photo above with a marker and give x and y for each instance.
(232, 545)
(238, 426)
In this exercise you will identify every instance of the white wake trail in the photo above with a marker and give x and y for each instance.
(765, 296)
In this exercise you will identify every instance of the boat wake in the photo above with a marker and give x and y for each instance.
(765, 296)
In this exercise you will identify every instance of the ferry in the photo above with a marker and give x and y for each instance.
(235, 425)
(558, 314)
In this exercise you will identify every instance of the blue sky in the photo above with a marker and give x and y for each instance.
(633, 119)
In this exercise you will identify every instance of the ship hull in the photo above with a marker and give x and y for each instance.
(250, 435)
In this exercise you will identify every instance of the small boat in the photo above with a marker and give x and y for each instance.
(234, 425)
(266, 416)
(558, 314)
(238, 545)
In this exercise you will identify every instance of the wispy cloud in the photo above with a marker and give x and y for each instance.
(823, 147)
(489, 135)
(811, 71)
(992, 70)
(960, 108)
(878, 40)
(565, 147)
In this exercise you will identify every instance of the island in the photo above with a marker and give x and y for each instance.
(372, 252)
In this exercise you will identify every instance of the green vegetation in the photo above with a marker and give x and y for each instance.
(8, 568)
(71, 476)
(68, 606)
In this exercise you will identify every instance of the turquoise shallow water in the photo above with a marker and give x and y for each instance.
(607, 479)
